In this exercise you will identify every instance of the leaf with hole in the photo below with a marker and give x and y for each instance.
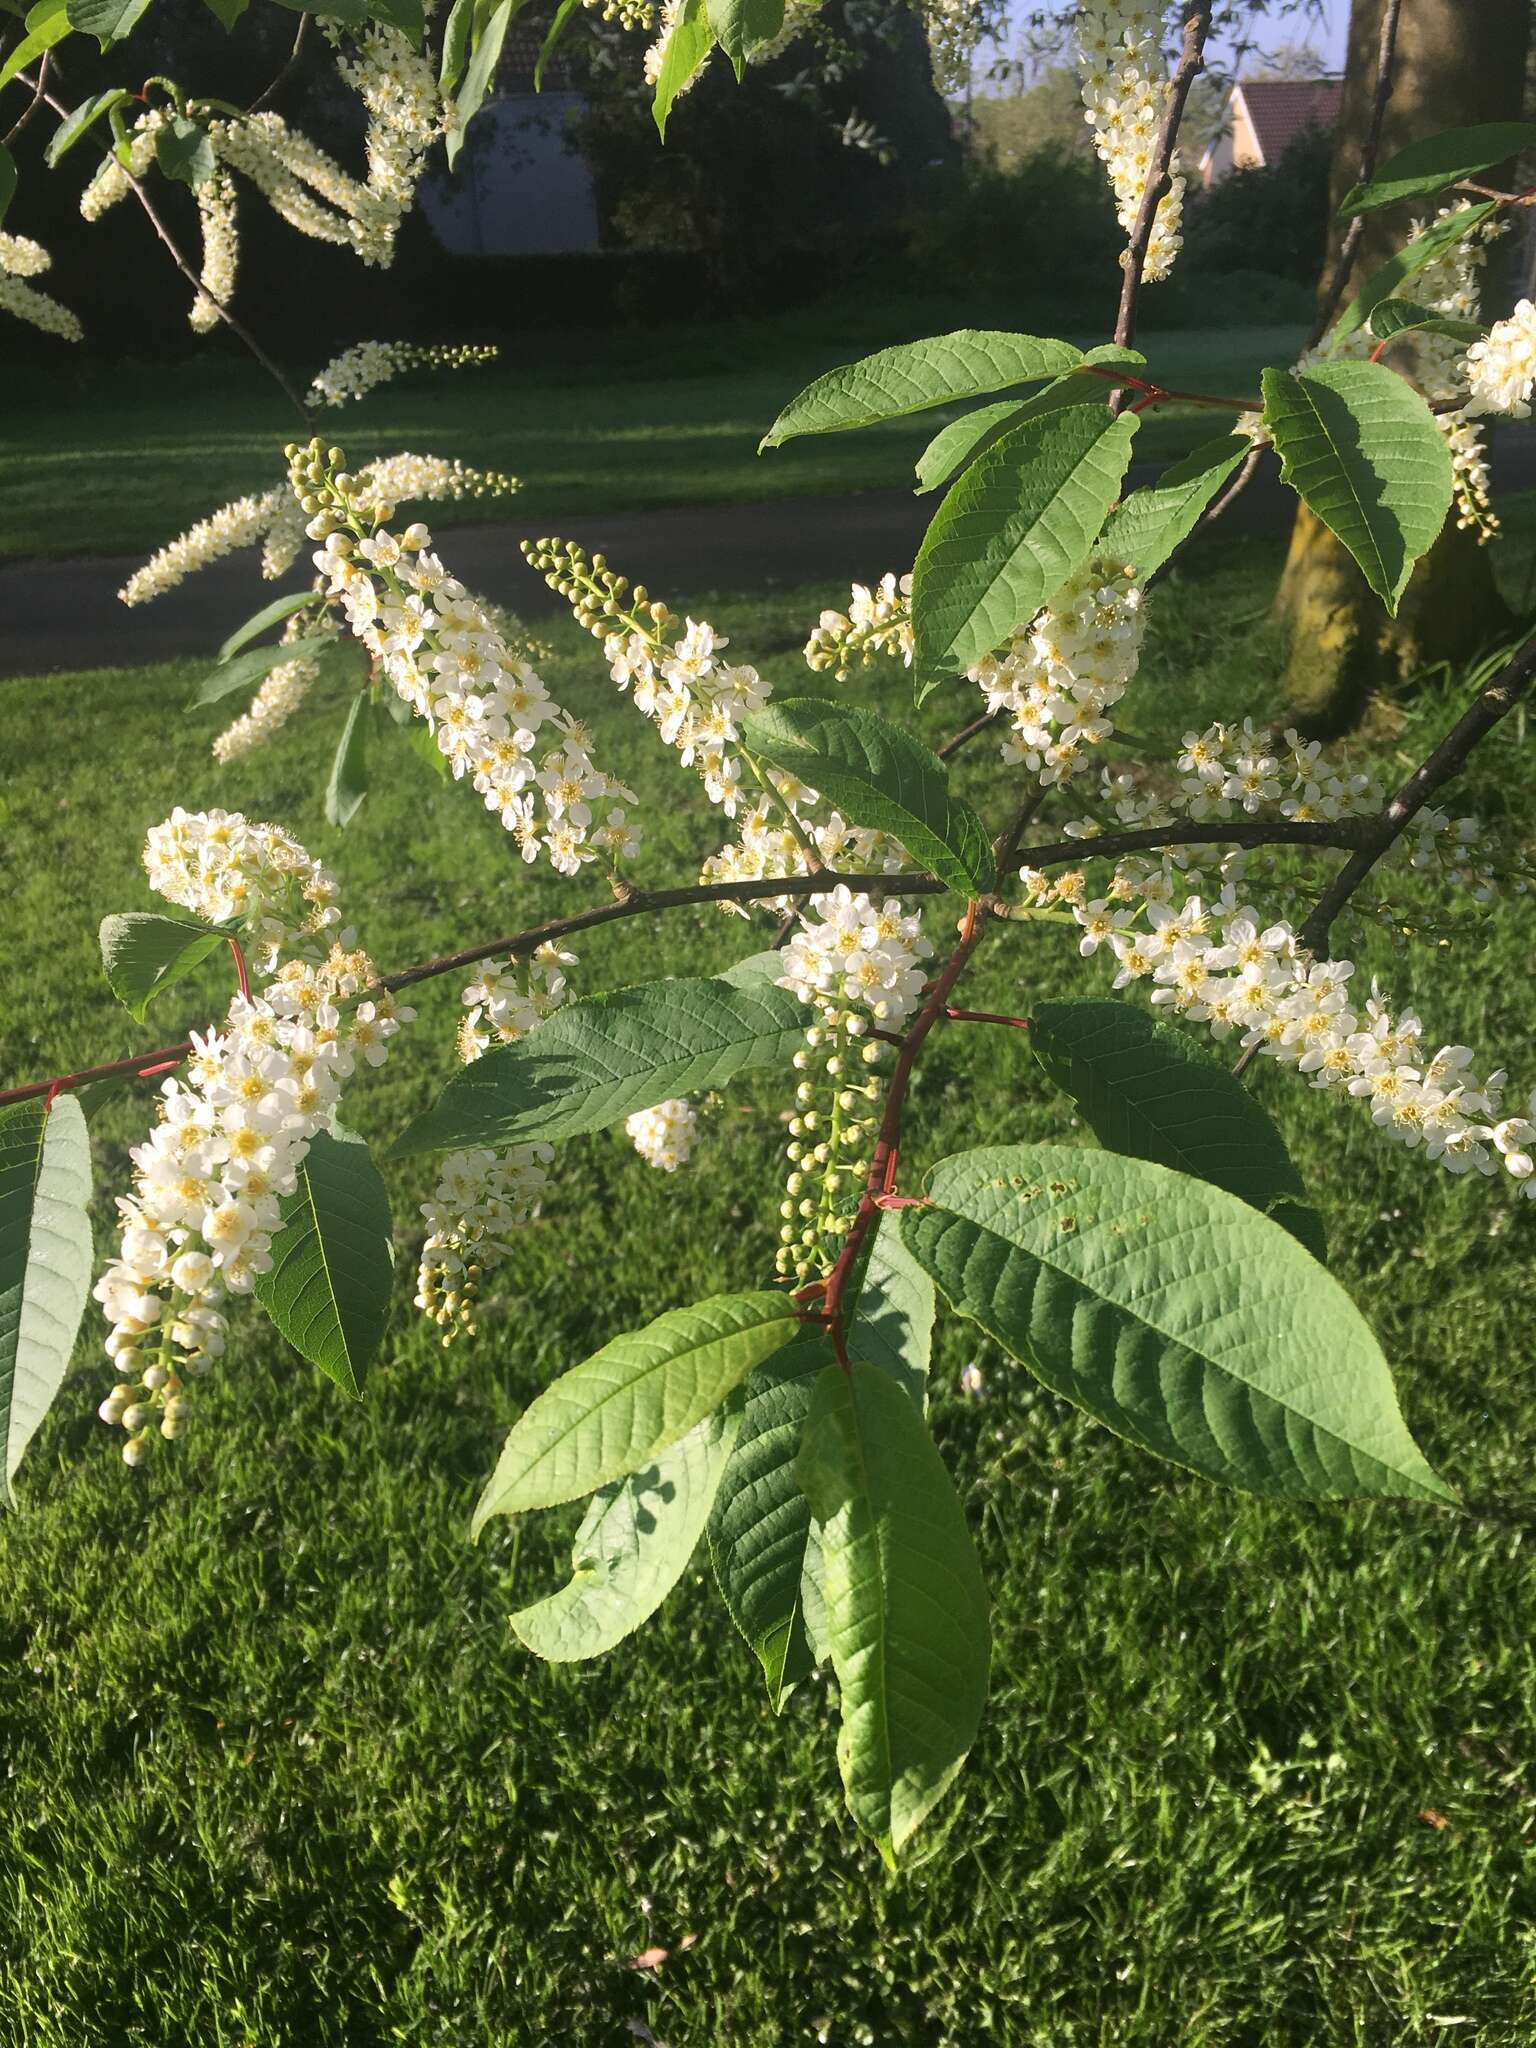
(1011, 531)
(599, 1059)
(1361, 449)
(946, 369)
(1435, 162)
(906, 1606)
(1174, 1313)
(333, 1261)
(621, 1407)
(881, 779)
(1146, 1089)
(143, 954)
(634, 1544)
(1150, 522)
(45, 1262)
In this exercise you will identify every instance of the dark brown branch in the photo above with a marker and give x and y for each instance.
(1197, 27)
(1331, 293)
(1439, 767)
(967, 733)
(236, 326)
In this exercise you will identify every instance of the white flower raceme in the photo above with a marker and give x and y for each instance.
(877, 621)
(1219, 963)
(234, 1129)
(1125, 94)
(282, 692)
(664, 1136)
(1061, 673)
(307, 188)
(850, 949)
(480, 1199)
(491, 712)
(398, 87)
(240, 524)
(1502, 370)
(221, 249)
(505, 1003)
(21, 258)
(110, 183)
(361, 369)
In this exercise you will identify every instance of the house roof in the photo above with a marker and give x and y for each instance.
(1279, 109)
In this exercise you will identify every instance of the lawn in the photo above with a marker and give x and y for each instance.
(103, 461)
(1253, 1775)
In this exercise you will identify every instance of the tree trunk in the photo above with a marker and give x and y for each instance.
(1456, 65)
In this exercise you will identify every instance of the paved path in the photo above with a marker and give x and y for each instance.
(65, 614)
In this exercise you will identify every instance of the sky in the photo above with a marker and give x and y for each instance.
(1327, 32)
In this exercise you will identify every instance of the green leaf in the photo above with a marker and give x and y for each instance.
(1401, 316)
(351, 13)
(741, 26)
(630, 1401)
(45, 26)
(348, 784)
(422, 742)
(478, 75)
(1146, 527)
(332, 1260)
(8, 177)
(270, 615)
(953, 446)
(407, 16)
(1387, 281)
(551, 41)
(881, 779)
(892, 1321)
(456, 45)
(598, 1060)
(946, 369)
(227, 11)
(906, 1607)
(1361, 448)
(633, 1546)
(1175, 1314)
(761, 1518)
(1148, 1090)
(683, 55)
(79, 123)
(1019, 522)
(45, 1262)
(143, 954)
(255, 665)
(108, 20)
(1436, 161)
(183, 151)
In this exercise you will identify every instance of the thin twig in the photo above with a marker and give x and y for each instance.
(292, 58)
(33, 104)
(1330, 294)
(967, 733)
(1197, 27)
(236, 326)
(1491, 704)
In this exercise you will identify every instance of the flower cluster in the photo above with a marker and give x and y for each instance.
(664, 1136)
(110, 183)
(306, 187)
(363, 368)
(767, 848)
(480, 1199)
(857, 951)
(397, 85)
(877, 621)
(282, 691)
(628, 14)
(1502, 370)
(21, 258)
(1059, 675)
(239, 524)
(1219, 963)
(505, 1002)
(656, 55)
(446, 657)
(1125, 94)
(232, 1135)
(216, 216)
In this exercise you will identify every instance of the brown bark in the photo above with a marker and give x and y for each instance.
(1456, 65)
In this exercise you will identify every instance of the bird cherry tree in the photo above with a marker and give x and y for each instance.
(1172, 1280)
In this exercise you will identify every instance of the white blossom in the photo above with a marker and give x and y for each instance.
(664, 1136)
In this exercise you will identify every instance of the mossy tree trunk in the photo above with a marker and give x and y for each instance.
(1456, 65)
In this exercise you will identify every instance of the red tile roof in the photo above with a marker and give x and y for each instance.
(1280, 108)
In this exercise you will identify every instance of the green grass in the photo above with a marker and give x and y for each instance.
(276, 1772)
(103, 461)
